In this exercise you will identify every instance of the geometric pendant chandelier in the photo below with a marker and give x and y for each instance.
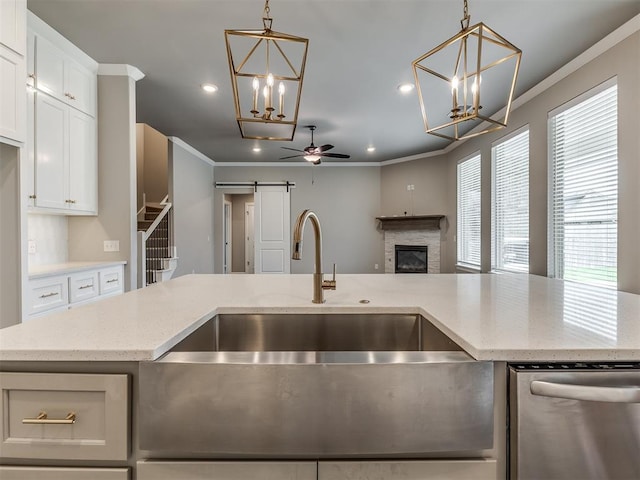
(267, 69)
(454, 80)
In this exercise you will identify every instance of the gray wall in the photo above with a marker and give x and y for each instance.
(434, 193)
(152, 149)
(116, 218)
(191, 194)
(10, 233)
(238, 230)
(623, 61)
(346, 199)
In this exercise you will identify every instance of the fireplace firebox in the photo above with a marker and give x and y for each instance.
(411, 259)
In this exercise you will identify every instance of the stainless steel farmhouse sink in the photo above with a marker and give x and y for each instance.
(315, 386)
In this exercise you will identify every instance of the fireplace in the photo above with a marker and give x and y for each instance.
(411, 259)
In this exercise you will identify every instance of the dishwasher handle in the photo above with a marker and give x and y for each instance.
(621, 394)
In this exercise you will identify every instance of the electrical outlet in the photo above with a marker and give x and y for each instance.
(413, 187)
(112, 245)
(376, 266)
(32, 246)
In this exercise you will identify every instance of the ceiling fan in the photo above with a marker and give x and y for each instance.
(314, 154)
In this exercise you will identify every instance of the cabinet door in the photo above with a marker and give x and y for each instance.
(49, 65)
(209, 470)
(12, 94)
(452, 469)
(62, 473)
(50, 152)
(13, 22)
(83, 165)
(80, 85)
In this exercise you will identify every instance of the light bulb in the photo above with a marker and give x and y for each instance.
(454, 84)
(312, 158)
(270, 80)
(281, 88)
(265, 91)
(256, 83)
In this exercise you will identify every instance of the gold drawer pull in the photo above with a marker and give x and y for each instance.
(112, 280)
(42, 419)
(47, 295)
(85, 286)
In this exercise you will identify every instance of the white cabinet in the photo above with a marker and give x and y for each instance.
(57, 292)
(49, 294)
(65, 157)
(212, 470)
(61, 124)
(13, 45)
(62, 77)
(64, 416)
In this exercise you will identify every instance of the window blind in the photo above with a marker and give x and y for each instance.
(584, 190)
(468, 203)
(510, 204)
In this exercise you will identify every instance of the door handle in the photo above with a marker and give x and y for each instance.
(621, 394)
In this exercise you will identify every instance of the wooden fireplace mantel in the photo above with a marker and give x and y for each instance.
(410, 222)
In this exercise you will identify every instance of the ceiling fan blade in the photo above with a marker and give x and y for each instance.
(290, 156)
(294, 149)
(324, 148)
(335, 155)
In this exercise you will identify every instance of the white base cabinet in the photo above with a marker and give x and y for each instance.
(56, 292)
(63, 473)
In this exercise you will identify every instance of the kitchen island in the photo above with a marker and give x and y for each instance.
(494, 318)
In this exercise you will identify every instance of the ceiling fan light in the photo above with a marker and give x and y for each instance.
(312, 158)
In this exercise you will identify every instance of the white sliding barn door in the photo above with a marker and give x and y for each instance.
(272, 230)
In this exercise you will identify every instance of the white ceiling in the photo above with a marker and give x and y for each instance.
(359, 52)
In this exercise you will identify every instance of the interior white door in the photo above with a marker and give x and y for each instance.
(249, 246)
(272, 230)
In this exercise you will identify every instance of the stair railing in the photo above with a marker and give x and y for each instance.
(154, 246)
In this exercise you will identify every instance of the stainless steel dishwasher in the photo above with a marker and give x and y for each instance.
(575, 421)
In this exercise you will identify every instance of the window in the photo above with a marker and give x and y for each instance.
(584, 189)
(469, 212)
(510, 204)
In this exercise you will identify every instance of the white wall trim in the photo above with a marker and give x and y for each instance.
(297, 164)
(411, 158)
(120, 70)
(192, 151)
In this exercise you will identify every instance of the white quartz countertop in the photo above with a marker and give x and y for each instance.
(492, 317)
(69, 267)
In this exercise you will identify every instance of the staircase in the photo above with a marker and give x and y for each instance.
(154, 233)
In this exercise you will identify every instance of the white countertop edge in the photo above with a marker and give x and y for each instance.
(42, 271)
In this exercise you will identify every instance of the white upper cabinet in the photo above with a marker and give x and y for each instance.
(13, 25)
(60, 76)
(13, 45)
(62, 127)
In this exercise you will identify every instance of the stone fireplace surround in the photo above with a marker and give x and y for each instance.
(412, 230)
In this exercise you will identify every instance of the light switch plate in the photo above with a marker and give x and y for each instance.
(112, 245)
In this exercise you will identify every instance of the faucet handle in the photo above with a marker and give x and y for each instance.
(330, 284)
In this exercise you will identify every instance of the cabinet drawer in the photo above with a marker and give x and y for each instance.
(187, 470)
(99, 403)
(63, 473)
(83, 286)
(111, 280)
(48, 293)
(453, 469)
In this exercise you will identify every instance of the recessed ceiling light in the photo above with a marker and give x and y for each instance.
(209, 87)
(257, 149)
(371, 149)
(406, 87)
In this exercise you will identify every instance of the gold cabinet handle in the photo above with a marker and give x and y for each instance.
(42, 419)
(85, 286)
(47, 295)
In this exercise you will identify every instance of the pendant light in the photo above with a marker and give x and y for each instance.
(459, 78)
